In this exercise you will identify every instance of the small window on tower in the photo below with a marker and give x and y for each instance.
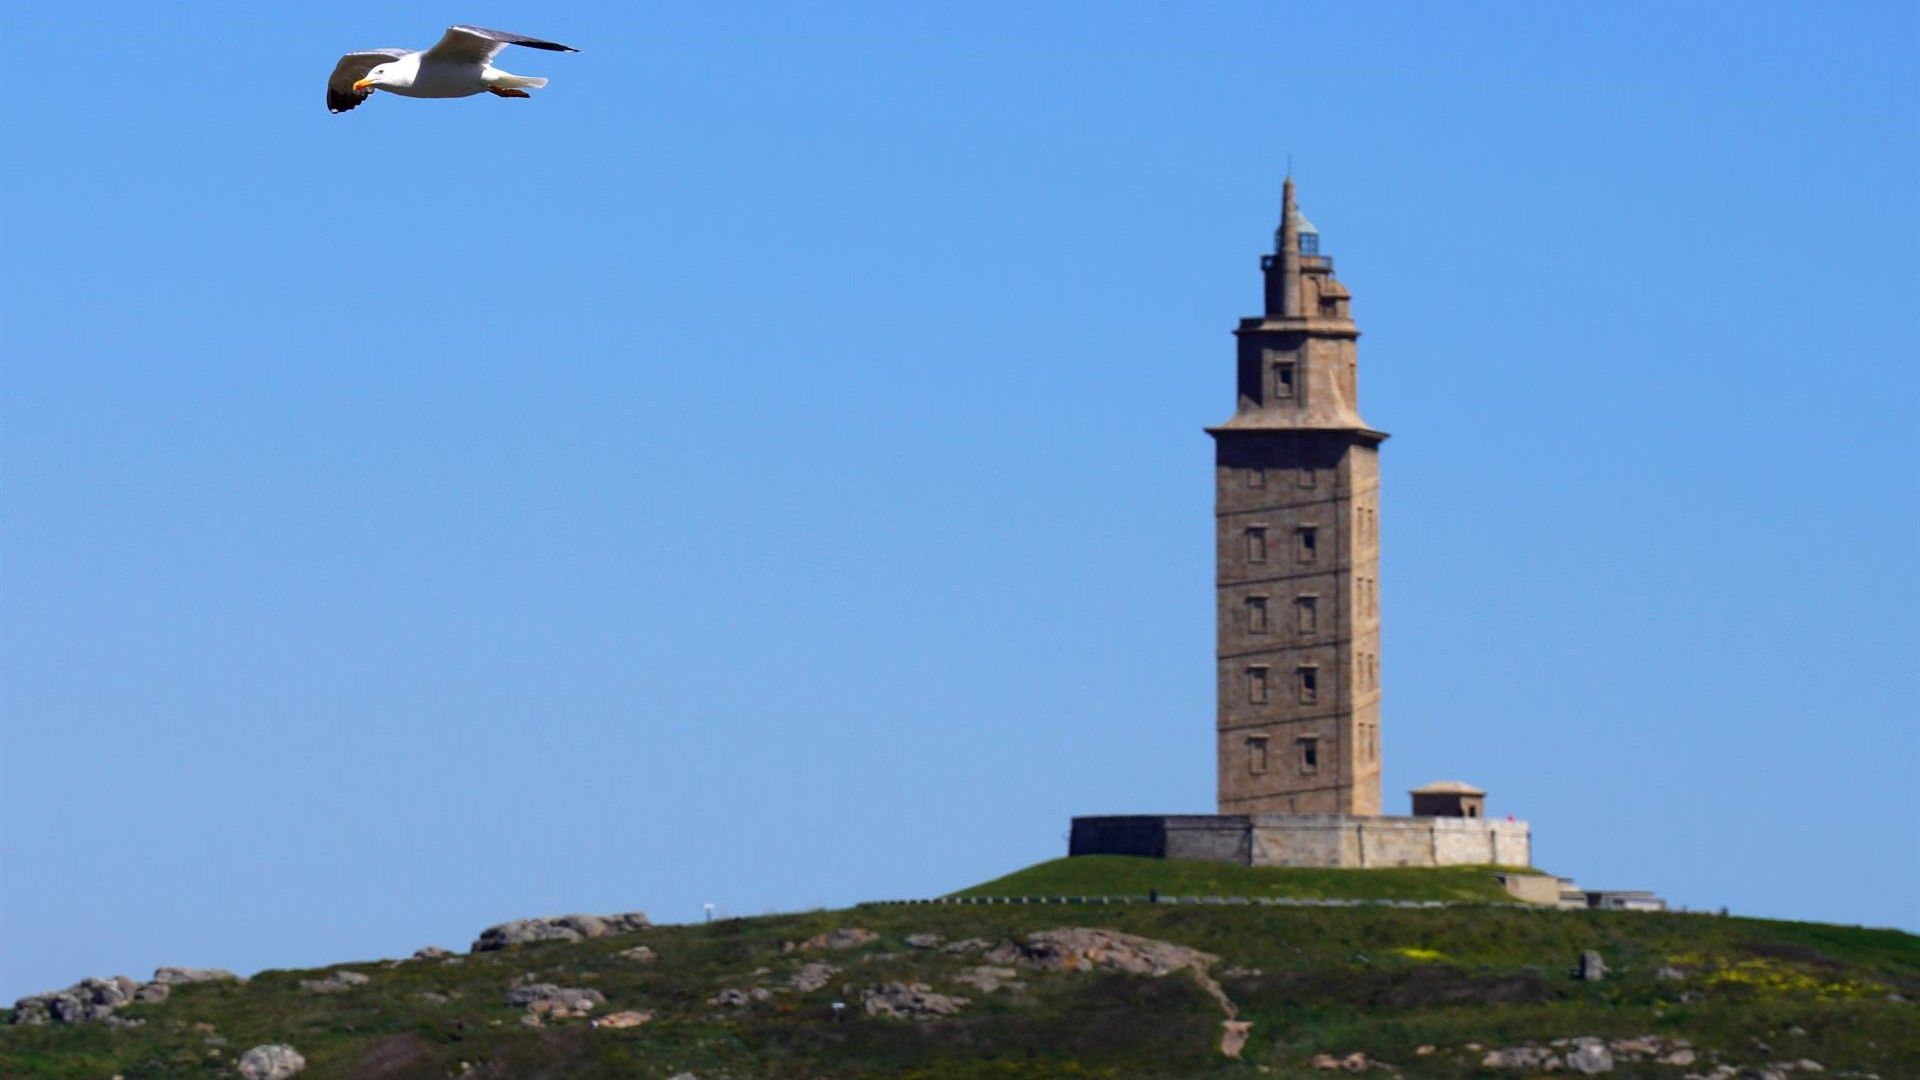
(1309, 243)
(1283, 381)
(1307, 543)
(1257, 684)
(1310, 754)
(1256, 477)
(1308, 609)
(1308, 680)
(1257, 754)
(1256, 543)
(1256, 614)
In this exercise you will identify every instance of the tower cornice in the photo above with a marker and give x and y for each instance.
(1276, 324)
(1255, 425)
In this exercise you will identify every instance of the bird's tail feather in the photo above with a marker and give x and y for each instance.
(517, 82)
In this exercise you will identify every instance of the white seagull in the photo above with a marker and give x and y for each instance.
(458, 65)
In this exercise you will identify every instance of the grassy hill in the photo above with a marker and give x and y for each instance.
(1383, 981)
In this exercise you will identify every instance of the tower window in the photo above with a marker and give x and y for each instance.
(1256, 614)
(1306, 543)
(1257, 754)
(1308, 612)
(1256, 543)
(1256, 477)
(1309, 243)
(1283, 381)
(1310, 754)
(1257, 684)
(1307, 679)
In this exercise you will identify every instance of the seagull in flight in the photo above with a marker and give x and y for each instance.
(459, 64)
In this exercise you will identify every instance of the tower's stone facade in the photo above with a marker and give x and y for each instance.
(1296, 507)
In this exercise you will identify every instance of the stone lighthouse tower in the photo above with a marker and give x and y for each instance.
(1297, 594)
(1296, 510)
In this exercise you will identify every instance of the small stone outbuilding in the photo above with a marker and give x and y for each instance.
(1449, 798)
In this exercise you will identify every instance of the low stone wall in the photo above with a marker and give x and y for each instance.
(1307, 839)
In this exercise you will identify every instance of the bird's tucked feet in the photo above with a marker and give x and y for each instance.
(497, 92)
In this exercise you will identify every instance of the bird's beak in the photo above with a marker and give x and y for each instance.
(363, 84)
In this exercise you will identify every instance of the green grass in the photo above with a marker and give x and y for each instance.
(1123, 875)
(1312, 980)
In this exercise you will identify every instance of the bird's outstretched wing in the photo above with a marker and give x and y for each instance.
(479, 45)
(353, 67)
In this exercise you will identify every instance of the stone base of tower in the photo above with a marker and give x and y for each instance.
(1307, 839)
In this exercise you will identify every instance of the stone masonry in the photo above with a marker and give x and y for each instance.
(1307, 839)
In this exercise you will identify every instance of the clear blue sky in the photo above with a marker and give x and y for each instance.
(766, 468)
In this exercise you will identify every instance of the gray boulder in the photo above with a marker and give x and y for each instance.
(546, 999)
(175, 976)
(813, 976)
(432, 952)
(1592, 968)
(1589, 1056)
(274, 1061)
(558, 928)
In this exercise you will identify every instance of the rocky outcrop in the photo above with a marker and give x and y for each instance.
(987, 978)
(734, 998)
(87, 1001)
(1083, 949)
(1087, 949)
(335, 982)
(558, 928)
(175, 976)
(851, 937)
(1589, 1057)
(813, 976)
(547, 1001)
(909, 1001)
(1520, 1057)
(432, 952)
(639, 954)
(93, 1001)
(274, 1061)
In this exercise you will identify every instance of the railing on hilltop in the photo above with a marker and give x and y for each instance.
(1225, 901)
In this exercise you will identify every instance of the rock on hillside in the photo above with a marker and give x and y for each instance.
(94, 1000)
(558, 928)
